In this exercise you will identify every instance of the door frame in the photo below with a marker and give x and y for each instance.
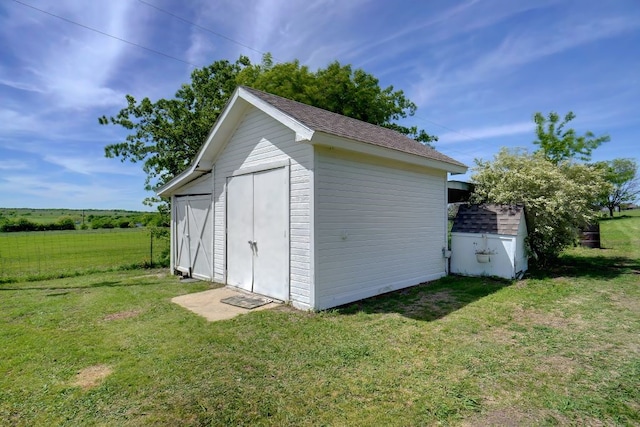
(178, 239)
(286, 164)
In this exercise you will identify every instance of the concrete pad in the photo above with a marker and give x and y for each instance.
(208, 305)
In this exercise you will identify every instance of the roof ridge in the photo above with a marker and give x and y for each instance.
(321, 120)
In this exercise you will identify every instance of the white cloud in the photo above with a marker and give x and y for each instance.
(460, 69)
(55, 193)
(70, 64)
(10, 165)
(92, 166)
(486, 132)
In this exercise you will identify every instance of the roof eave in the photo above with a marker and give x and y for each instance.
(223, 128)
(329, 140)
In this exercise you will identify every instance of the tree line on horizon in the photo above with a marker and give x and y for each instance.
(22, 224)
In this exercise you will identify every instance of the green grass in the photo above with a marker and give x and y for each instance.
(561, 347)
(47, 254)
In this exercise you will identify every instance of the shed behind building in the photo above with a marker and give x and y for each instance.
(489, 240)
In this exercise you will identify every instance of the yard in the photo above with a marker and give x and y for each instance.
(561, 347)
(36, 255)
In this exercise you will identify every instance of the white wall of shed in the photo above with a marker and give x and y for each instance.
(201, 185)
(261, 140)
(378, 226)
(464, 260)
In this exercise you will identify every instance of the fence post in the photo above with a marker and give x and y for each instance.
(151, 250)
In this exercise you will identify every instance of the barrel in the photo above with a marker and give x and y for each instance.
(590, 236)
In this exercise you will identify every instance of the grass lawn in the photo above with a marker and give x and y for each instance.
(46, 254)
(561, 347)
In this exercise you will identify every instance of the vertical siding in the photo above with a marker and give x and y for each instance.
(379, 227)
(259, 140)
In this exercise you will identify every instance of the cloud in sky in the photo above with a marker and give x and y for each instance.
(486, 132)
(90, 165)
(480, 67)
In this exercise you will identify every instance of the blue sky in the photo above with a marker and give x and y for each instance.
(477, 70)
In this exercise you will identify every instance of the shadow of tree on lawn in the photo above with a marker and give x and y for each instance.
(597, 266)
(104, 284)
(434, 300)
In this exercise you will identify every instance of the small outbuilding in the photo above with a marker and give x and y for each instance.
(489, 240)
(307, 206)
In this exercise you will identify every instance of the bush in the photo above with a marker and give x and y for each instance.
(558, 199)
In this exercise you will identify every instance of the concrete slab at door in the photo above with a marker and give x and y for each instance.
(271, 234)
(240, 231)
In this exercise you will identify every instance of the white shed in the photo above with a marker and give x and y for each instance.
(308, 206)
(489, 240)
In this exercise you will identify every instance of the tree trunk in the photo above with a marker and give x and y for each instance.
(610, 211)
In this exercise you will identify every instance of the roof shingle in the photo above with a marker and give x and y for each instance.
(335, 124)
(488, 219)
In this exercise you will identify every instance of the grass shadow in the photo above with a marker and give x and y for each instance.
(105, 284)
(594, 267)
(428, 301)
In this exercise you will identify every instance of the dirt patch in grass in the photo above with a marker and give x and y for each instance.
(624, 302)
(92, 376)
(122, 315)
(436, 303)
(509, 417)
(154, 275)
(549, 319)
(501, 335)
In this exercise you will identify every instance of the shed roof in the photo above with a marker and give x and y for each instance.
(310, 124)
(488, 219)
(320, 120)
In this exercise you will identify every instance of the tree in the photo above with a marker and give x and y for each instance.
(558, 144)
(621, 174)
(558, 198)
(166, 134)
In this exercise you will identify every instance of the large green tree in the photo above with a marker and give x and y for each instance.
(166, 134)
(558, 198)
(621, 174)
(557, 143)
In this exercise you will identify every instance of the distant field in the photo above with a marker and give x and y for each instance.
(80, 216)
(42, 254)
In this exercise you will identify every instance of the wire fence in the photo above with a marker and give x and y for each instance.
(45, 254)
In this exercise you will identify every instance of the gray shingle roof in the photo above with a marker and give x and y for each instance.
(488, 219)
(325, 121)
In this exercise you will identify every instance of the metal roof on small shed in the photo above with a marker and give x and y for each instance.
(488, 219)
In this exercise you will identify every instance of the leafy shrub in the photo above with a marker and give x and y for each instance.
(558, 198)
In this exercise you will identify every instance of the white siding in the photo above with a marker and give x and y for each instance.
(260, 140)
(201, 185)
(379, 227)
(507, 259)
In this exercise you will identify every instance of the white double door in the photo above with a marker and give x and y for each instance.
(258, 232)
